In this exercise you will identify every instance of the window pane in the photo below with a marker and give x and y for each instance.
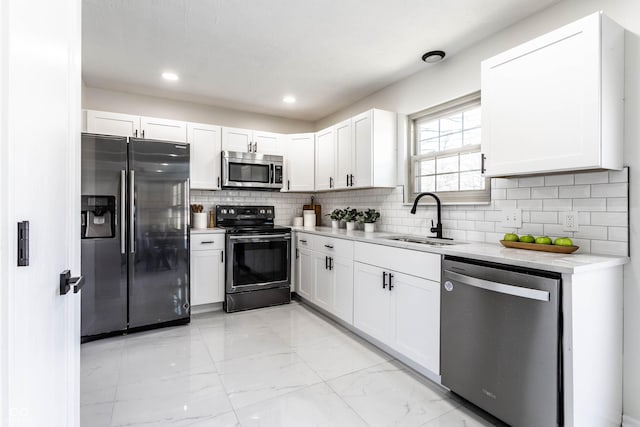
(471, 181)
(472, 118)
(426, 183)
(450, 124)
(428, 146)
(447, 164)
(426, 167)
(447, 182)
(452, 140)
(472, 136)
(470, 161)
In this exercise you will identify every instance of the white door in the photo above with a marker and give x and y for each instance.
(205, 158)
(105, 123)
(362, 126)
(163, 129)
(207, 277)
(325, 154)
(344, 154)
(268, 143)
(343, 289)
(234, 139)
(39, 183)
(372, 303)
(323, 289)
(300, 162)
(305, 274)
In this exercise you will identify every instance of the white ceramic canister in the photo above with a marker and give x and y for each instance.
(199, 220)
(309, 218)
(298, 221)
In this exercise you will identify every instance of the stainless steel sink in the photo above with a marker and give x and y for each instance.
(424, 240)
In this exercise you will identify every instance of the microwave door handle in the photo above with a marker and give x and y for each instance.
(271, 174)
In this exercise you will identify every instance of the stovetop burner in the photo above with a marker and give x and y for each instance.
(248, 219)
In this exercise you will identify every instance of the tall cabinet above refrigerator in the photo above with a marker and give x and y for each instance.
(135, 234)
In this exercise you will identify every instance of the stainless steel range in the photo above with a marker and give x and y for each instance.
(258, 264)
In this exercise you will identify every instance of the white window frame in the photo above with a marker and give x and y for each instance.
(464, 197)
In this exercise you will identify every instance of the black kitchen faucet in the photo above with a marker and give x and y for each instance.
(438, 228)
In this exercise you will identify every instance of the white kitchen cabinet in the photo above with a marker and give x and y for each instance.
(300, 162)
(344, 153)
(304, 267)
(342, 286)
(163, 129)
(323, 278)
(372, 303)
(106, 123)
(325, 159)
(250, 141)
(555, 103)
(205, 146)
(207, 268)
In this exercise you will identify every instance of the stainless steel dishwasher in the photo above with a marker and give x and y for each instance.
(501, 331)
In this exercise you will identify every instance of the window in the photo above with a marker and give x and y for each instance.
(445, 153)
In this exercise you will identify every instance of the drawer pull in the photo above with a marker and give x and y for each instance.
(207, 242)
(302, 241)
(328, 246)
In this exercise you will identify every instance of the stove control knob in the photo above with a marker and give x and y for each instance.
(223, 211)
(262, 211)
(269, 211)
(232, 211)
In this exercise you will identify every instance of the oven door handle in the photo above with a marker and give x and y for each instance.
(261, 237)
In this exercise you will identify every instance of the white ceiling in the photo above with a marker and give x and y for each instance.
(247, 54)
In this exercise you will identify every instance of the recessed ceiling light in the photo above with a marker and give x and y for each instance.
(289, 99)
(169, 76)
(433, 56)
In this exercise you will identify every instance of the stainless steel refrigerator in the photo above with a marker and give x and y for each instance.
(135, 234)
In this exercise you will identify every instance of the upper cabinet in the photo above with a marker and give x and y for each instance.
(106, 123)
(250, 141)
(556, 103)
(299, 162)
(205, 142)
(357, 153)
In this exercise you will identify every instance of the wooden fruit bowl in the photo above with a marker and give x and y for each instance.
(539, 247)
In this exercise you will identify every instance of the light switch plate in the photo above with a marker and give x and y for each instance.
(511, 218)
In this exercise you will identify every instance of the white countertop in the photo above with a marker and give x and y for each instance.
(492, 252)
(215, 230)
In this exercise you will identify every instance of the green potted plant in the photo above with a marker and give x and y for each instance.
(369, 218)
(350, 217)
(336, 215)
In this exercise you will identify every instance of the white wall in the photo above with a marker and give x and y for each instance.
(460, 75)
(143, 105)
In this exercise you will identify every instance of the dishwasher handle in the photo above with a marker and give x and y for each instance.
(502, 288)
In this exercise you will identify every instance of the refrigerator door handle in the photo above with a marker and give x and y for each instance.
(132, 207)
(187, 184)
(123, 210)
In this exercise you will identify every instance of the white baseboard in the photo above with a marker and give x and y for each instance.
(627, 421)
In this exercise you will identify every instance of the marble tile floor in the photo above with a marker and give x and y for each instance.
(278, 366)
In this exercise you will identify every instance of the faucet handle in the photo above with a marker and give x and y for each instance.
(434, 229)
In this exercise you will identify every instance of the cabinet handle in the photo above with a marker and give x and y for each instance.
(250, 147)
(384, 279)
(218, 182)
(135, 133)
(206, 242)
(255, 147)
(328, 246)
(330, 263)
(326, 262)
(222, 257)
(302, 241)
(482, 159)
(330, 182)
(288, 184)
(390, 284)
(297, 253)
(351, 179)
(143, 133)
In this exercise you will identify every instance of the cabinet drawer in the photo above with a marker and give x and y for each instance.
(304, 240)
(203, 242)
(336, 247)
(415, 263)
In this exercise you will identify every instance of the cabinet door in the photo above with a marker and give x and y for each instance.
(163, 129)
(325, 157)
(323, 292)
(305, 274)
(300, 162)
(343, 289)
(363, 148)
(207, 277)
(344, 153)
(205, 155)
(541, 103)
(234, 139)
(268, 143)
(372, 304)
(105, 123)
(417, 321)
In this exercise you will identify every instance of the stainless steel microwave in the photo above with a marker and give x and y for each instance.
(251, 170)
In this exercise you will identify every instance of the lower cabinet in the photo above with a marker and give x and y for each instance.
(207, 269)
(400, 310)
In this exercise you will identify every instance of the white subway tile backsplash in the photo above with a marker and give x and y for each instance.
(544, 193)
(575, 191)
(619, 176)
(610, 190)
(504, 183)
(608, 247)
(584, 218)
(544, 217)
(584, 245)
(498, 193)
(558, 180)
(557, 204)
(533, 229)
(592, 205)
(505, 204)
(591, 232)
(485, 225)
(620, 234)
(475, 236)
(612, 219)
(529, 205)
(592, 178)
(475, 215)
(534, 181)
(518, 193)
(617, 204)
(555, 230)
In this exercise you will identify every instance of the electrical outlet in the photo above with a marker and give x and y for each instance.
(511, 218)
(570, 221)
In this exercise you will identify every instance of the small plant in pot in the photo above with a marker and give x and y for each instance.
(350, 216)
(336, 215)
(369, 218)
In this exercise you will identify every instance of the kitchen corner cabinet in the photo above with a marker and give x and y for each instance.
(358, 153)
(250, 141)
(555, 103)
(205, 143)
(300, 162)
(106, 123)
(397, 300)
(207, 268)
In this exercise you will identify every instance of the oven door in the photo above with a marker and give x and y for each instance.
(258, 262)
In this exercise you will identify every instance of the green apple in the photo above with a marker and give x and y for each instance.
(543, 240)
(527, 239)
(563, 241)
(510, 237)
